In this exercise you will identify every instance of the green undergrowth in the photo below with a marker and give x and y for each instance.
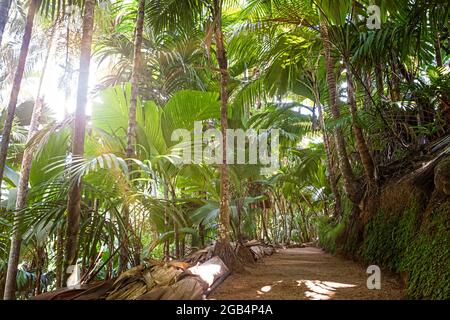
(414, 243)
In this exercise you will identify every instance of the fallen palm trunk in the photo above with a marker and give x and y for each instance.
(194, 278)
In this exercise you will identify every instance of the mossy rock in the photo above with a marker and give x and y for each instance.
(442, 176)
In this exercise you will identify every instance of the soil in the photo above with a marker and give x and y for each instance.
(306, 274)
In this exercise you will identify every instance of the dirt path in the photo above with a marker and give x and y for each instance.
(306, 273)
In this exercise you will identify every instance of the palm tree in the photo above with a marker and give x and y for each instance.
(350, 182)
(190, 14)
(223, 248)
(361, 144)
(131, 131)
(22, 188)
(74, 201)
(4, 11)
(34, 4)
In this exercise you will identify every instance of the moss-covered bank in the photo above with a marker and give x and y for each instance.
(405, 229)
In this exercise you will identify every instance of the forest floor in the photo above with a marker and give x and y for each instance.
(306, 274)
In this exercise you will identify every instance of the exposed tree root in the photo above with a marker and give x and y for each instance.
(226, 253)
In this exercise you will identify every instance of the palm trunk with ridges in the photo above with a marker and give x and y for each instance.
(223, 248)
(224, 223)
(131, 131)
(74, 201)
(350, 182)
(361, 145)
(329, 163)
(22, 188)
(13, 260)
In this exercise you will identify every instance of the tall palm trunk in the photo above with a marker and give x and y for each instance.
(350, 182)
(329, 163)
(223, 248)
(224, 183)
(4, 12)
(22, 189)
(379, 80)
(361, 145)
(74, 201)
(176, 233)
(131, 131)
(16, 86)
(264, 219)
(332, 180)
(59, 256)
(437, 49)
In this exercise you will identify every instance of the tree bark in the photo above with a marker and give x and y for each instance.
(74, 201)
(264, 223)
(22, 188)
(350, 182)
(361, 145)
(59, 256)
(166, 223)
(131, 131)
(239, 208)
(201, 233)
(223, 248)
(437, 49)
(11, 110)
(329, 164)
(224, 223)
(379, 81)
(40, 259)
(5, 5)
(13, 260)
(176, 234)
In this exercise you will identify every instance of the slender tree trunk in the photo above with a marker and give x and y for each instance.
(11, 110)
(5, 5)
(332, 180)
(13, 260)
(437, 48)
(291, 222)
(22, 188)
(264, 223)
(74, 201)
(124, 240)
(239, 220)
(379, 80)
(306, 236)
(166, 222)
(223, 248)
(350, 182)
(361, 145)
(110, 263)
(224, 222)
(59, 256)
(176, 233)
(40, 259)
(131, 132)
(201, 233)
(182, 246)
